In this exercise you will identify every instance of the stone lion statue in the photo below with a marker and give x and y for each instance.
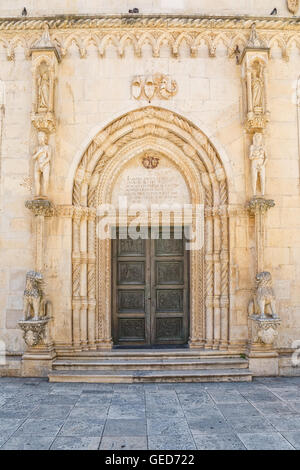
(264, 299)
(34, 304)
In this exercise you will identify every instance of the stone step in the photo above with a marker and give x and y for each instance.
(124, 363)
(138, 354)
(121, 376)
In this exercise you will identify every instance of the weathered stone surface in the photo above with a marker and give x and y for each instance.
(189, 118)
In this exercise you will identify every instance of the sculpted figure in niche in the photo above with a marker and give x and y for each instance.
(258, 159)
(43, 91)
(42, 158)
(257, 88)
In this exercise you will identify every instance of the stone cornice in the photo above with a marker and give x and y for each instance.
(128, 31)
(148, 21)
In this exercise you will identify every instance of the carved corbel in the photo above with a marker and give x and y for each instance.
(254, 61)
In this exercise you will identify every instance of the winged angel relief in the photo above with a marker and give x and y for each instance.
(155, 86)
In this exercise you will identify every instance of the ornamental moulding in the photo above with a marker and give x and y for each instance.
(126, 31)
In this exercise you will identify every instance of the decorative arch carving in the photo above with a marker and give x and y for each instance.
(191, 151)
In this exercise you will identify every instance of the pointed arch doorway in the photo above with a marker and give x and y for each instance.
(200, 170)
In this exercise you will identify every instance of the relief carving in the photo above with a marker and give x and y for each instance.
(258, 158)
(155, 86)
(42, 159)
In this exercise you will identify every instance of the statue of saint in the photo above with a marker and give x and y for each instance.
(42, 158)
(43, 91)
(258, 160)
(257, 89)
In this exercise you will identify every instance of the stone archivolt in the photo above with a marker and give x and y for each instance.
(158, 130)
(137, 32)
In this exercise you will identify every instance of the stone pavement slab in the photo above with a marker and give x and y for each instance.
(38, 415)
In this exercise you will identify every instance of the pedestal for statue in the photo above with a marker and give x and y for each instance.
(262, 354)
(36, 323)
(37, 360)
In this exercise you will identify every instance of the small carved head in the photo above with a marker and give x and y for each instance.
(263, 278)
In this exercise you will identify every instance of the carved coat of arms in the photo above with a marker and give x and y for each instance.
(158, 85)
(150, 162)
(293, 6)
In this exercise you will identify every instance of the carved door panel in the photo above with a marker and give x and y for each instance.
(169, 291)
(150, 292)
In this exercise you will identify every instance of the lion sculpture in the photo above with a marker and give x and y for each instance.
(264, 299)
(34, 304)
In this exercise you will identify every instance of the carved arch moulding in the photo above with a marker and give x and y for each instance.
(124, 32)
(164, 132)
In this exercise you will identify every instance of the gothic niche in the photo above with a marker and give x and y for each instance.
(257, 114)
(43, 89)
(43, 110)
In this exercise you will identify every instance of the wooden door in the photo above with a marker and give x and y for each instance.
(150, 292)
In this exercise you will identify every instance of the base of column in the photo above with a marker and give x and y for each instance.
(106, 344)
(196, 344)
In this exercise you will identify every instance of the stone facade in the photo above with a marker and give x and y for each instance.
(208, 95)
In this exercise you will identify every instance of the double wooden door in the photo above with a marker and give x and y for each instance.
(150, 291)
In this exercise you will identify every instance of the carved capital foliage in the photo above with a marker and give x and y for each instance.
(259, 205)
(42, 207)
(34, 332)
(264, 332)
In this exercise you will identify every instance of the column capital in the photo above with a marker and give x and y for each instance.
(259, 204)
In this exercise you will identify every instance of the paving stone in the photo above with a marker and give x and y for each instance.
(227, 396)
(293, 437)
(82, 427)
(200, 399)
(56, 399)
(98, 387)
(9, 425)
(218, 442)
(164, 411)
(167, 426)
(51, 411)
(123, 443)
(28, 443)
(246, 424)
(267, 408)
(98, 412)
(76, 443)
(171, 442)
(266, 396)
(265, 441)
(199, 412)
(125, 427)
(208, 424)
(127, 411)
(240, 409)
(288, 394)
(91, 399)
(285, 422)
(40, 427)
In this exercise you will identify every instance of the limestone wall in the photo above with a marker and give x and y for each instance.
(94, 90)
